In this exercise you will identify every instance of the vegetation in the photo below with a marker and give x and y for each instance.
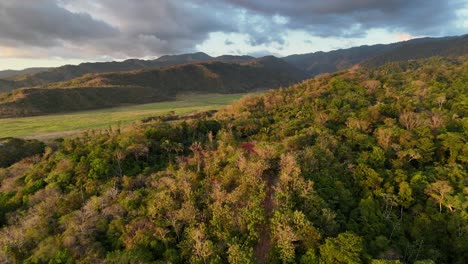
(312, 63)
(14, 149)
(110, 84)
(42, 76)
(362, 166)
(337, 60)
(377, 55)
(59, 125)
(418, 49)
(96, 91)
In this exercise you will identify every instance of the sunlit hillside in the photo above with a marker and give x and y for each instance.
(359, 166)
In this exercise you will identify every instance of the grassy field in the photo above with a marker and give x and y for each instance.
(50, 126)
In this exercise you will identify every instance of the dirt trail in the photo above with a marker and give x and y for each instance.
(263, 247)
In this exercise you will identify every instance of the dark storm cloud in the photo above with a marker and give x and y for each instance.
(350, 18)
(127, 28)
(149, 27)
(165, 19)
(44, 23)
(117, 28)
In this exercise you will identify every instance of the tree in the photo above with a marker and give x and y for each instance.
(439, 191)
(14, 149)
(455, 143)
(285, 238)
(384, 137)
(410, 120)
(405, 194)
(240, 255)
(346, 248)
(201, 246)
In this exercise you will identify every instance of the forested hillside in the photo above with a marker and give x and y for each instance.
(337, 60)
(94, 91)
(80, 87)
(377, 55)
(311, 63)
(360, 166)
(418, 49)
(68, 72)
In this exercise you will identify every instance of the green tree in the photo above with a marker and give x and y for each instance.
(346, 248)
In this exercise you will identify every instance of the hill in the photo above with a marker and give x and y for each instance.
(7, 74)
(7, 85)
(419, 49)
(170, 60)
(161, 79)
(324, 62)
(376, 55)
(95, 91)
(311, 63)
(69, 72)
(360, 166)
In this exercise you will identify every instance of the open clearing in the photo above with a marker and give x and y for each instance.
(57, 125)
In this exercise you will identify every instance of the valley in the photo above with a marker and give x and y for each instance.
(59, 125)
(91, 86)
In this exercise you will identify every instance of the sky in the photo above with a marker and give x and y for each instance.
(51, 33)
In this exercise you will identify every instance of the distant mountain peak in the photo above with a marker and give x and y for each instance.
(197, 56)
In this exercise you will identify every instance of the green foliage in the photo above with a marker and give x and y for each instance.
(346, 248)
(7, 204)
(129, 257)
(363, 166)
(14, 149)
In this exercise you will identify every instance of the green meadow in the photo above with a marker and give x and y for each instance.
(50, 126)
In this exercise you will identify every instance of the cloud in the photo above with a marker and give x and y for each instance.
(157, 27)
(351, 18)
(228, 42)
(118, 29)
(44, 23)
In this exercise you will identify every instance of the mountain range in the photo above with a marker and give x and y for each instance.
(144, 86)
(69, 72)
(133, 81)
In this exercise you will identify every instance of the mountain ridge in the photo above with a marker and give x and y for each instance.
(418, 49)
(93, 91)
(322, 62)
(312, 63)
(68, 72)
(171, 74)
(7, 74)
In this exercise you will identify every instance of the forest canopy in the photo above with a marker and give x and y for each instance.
(359, 166)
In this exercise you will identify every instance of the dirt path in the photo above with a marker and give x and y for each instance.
(263, 247)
